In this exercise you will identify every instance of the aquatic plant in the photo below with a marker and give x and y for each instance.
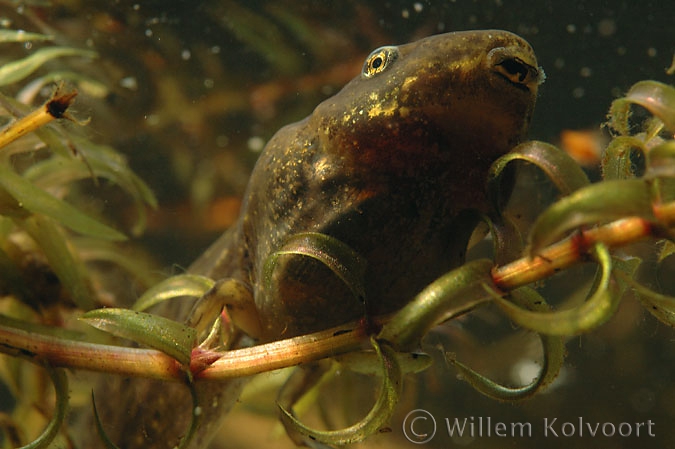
(48, 246)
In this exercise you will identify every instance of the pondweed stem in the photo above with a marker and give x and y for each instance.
(62, 352)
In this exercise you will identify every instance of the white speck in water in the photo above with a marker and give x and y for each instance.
(185, 54)
(148, 32)
(215, 49)
(418, 7)
(405, 13)
(585, 72)
(197, 411)
(571, 28)
(136, 7)
(651, 52)
(152, 119)
(28, 45)
(209, 83)
(129, 82)
(256, 144)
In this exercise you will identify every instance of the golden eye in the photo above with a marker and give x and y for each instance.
(379, 60)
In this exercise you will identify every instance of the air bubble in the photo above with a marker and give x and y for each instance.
(256, 144)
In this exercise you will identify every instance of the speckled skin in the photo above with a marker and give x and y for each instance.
(385, 166)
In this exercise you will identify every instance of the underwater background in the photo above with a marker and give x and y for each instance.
(196, 87)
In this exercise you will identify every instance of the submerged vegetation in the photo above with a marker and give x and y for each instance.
(63, 258)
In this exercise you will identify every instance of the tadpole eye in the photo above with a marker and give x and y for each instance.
(379, 60)
(517, 71)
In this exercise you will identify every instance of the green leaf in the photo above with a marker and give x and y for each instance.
(40, 329)
(660, 305)
(58, 171)
(507, 238)
(87, 85)
(18, 70)
(67, 267)
(376, 418)
(597, 203)
(138, 264)
(617, 160)
(367, 362)
(163, 334)
(22, 36)
(661, 160)
(108, 163)
(589, 315)
(561, 169)
(107, 442)
(176, 286)
(554, 356)
(60, 381)
(346, 263)
(658, 98)
(453, 294)
(32, 199)
(184, 442)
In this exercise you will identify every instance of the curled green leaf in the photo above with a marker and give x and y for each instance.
(105, 439)
(658, 98)
(18, 70)
(589, 315)
(507, 238)
(378, 416)
(60, 381)
(453, 294)
(554, 355)
(561, 169)
(30, 198)
(163, 334)
(660, 305)
(184, 442)
(597, 203)
(617, 160)
(367, 362)
(661, 160)
(190, 285)
(346, 263)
